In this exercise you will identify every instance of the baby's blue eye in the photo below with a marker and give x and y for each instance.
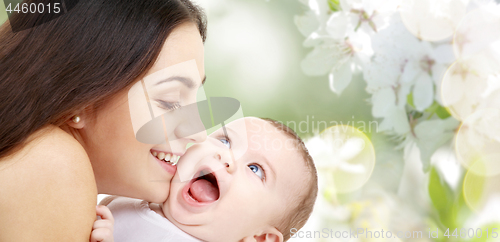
(257, 170)
(226, 142)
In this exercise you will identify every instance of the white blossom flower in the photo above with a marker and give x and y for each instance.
(338, 58)
(370, 15)
(342, 43)
(478, 32)
(469, 85)
(478, 141)
(401, 65)
(432, 20)
(409, 79)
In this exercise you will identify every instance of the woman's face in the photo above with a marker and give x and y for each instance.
(127, 165)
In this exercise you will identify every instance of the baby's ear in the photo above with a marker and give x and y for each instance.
(270, 234)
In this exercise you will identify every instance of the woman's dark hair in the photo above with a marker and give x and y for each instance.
(82, 58)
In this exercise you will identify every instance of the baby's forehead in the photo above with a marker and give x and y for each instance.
(281, 148)
(261, 138)
(261, 135)
(251, 126)
(255, 126)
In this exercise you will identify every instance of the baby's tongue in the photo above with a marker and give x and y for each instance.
(204, 191)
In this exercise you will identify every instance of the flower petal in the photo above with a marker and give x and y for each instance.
(400, 120)
(411, 70)
(307, 23)
(443, 54)
(337, 25)
(383, 101)
(423, 92)
(396, 121)
(319, 61)
(340, 78)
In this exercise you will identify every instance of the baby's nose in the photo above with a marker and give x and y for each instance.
(226, 159)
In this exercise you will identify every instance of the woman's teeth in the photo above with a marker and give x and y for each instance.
(167, 157)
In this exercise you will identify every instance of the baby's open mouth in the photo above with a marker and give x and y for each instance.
(166, 157)
(204, 188)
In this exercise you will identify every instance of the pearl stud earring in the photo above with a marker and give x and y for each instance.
(76, 119)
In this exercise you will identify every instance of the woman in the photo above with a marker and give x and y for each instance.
(65, 112)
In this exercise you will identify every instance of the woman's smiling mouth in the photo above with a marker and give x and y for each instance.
(167, 161)
(166, 157)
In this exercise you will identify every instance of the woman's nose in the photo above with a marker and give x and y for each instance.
(198, 137)
(191, 130)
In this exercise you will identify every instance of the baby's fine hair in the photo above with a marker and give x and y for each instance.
(297, 216)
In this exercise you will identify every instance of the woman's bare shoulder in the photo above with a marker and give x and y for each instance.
(48, 190)
(50, 143)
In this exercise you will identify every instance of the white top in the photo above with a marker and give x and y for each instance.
(136, 222)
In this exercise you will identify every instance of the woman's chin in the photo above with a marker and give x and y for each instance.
(158, 195)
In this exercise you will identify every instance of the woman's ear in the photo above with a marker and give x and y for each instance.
(76, 121)
(80, 118)
(271, 234)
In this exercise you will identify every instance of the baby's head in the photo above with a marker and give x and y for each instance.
(254, 184)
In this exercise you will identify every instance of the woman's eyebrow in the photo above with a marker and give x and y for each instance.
(188, 82)
(185, 80)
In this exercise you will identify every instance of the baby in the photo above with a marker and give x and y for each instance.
(252, 180)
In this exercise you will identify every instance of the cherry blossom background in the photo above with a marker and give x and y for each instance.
(432, 69)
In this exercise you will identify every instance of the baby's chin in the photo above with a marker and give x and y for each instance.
(165, 207)
(197, 229)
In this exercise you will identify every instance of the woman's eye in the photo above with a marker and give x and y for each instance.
(257, 170)
(226, 142)
(170, 106)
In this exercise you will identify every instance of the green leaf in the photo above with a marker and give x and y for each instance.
(442, 197)
(462, 212)
(439, 110)
(409, 99)
(334, 5)
(451, 206)
(442, 112)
